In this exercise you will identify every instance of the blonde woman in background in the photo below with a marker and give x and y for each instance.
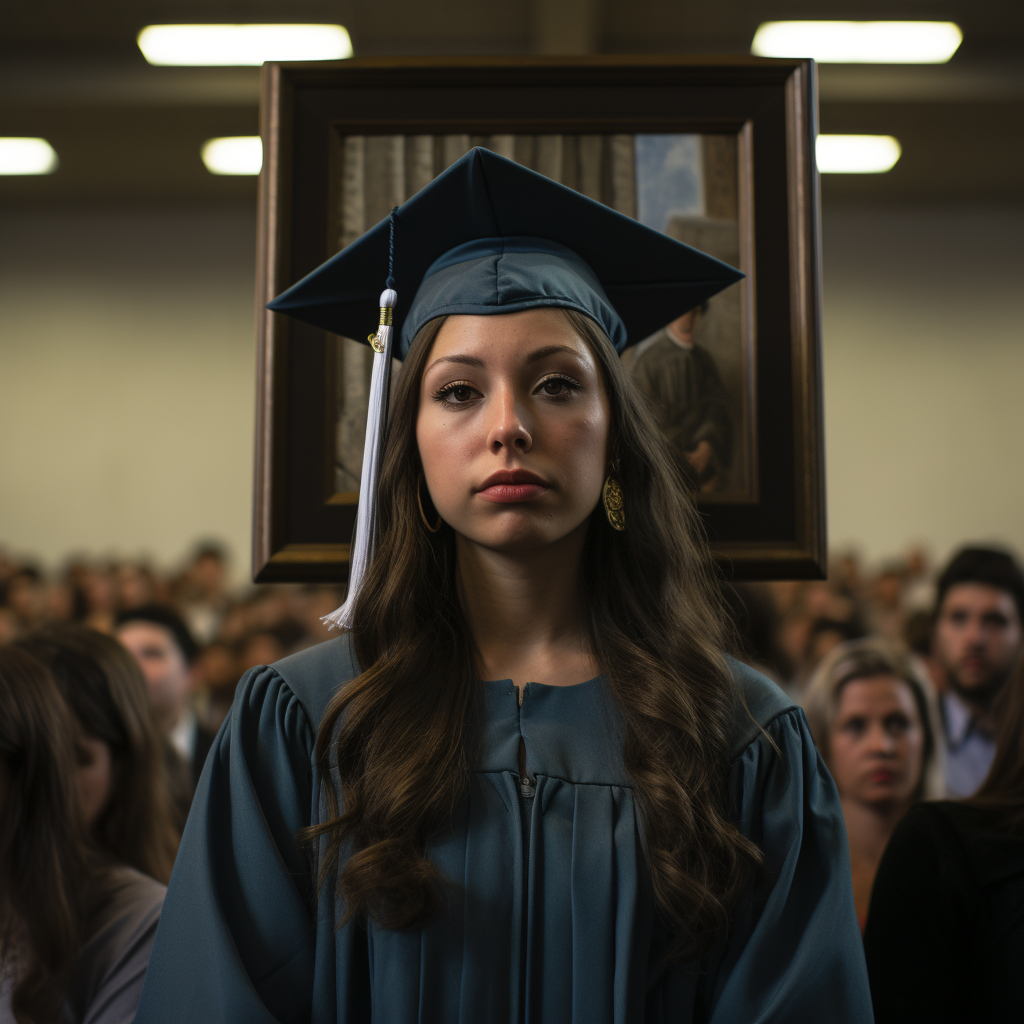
(872, 720)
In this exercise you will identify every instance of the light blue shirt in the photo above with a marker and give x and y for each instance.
(969, 748)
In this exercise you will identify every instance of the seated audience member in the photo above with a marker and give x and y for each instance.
(977, 640)
(165, 651)
(202, 591)
(945, 936)
(123, 785)
(76, 930)
(869, 715)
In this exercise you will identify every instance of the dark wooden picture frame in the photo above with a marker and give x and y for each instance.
(301, 527)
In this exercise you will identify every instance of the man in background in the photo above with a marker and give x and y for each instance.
(977, 640)
(166, 651)
(689, 402)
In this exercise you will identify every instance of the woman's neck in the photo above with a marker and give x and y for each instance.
(523, 611)
(868, 830)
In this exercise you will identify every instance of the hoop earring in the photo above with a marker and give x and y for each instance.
(612, 497)
(419, 502)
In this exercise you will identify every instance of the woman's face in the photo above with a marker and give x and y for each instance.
(877, 742)
(95, 775)
(513, 428)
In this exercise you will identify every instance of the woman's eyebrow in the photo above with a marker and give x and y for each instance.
(550, 350)
(464, 360)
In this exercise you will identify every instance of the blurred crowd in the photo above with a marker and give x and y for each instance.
(232, 630)
(788, 626)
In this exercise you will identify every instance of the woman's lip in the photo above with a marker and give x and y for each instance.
(506, 493)
(882, 775)
(513, 476)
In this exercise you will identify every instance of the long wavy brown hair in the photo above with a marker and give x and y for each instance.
(49, 881)
(104, 687)
(400, 731)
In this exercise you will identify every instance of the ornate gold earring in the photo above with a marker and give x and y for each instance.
(419, 501)
(612, 497)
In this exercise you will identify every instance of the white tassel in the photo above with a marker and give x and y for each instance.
(376, 421)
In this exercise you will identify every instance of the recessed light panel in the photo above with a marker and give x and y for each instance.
(207, 45)
(856, 154)
(21, 155)
(233, 154)
(859, 42)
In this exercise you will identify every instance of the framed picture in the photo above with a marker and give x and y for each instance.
(717, 153)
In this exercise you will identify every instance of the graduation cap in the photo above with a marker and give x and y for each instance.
(491, 236)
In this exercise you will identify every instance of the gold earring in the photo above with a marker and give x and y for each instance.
(611, 495)
(419, 501)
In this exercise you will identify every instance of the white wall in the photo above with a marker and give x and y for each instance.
(127, 362)
(924, 378)
(126, 382)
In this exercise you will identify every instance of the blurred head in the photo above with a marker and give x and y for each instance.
(136, 586)
(261, 647)
(121, 781)
(868, 712)
(45, 877)
(889, 588)
(512, 428)
(165, 651)
(683, 328)
(978, 634)
(208, 570)
(25, 594)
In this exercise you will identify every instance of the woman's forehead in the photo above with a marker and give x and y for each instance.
(508, 338)
(871, 692)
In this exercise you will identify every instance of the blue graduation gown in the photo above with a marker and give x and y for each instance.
(566, 933)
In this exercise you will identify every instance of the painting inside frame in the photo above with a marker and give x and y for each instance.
(696, 373)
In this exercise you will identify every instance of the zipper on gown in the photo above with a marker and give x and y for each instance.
(527, 791)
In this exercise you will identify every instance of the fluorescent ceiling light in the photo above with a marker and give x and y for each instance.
(26, 156)
(856, 154)
(205, 45)
(233, 154)
(859, 42)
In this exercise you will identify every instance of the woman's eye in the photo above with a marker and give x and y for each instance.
(558, 387)
(456, 394)
(898, 723)
(854, 726)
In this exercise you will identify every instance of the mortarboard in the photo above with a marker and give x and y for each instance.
(491, 236)
(463, 215)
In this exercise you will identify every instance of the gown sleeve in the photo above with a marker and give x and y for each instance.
(237, 936)
(794, 953)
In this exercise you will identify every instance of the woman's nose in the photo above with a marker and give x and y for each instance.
(506, 426)
(882, 740)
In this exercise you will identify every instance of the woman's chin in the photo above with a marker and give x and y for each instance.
(516, 534)
(883, 798)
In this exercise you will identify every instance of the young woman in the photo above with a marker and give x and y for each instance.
(945, 935)
(870, 716)
(75, 930)
(122, 781)
(529, 784)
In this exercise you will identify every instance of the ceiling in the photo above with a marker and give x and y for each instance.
(130, 133)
